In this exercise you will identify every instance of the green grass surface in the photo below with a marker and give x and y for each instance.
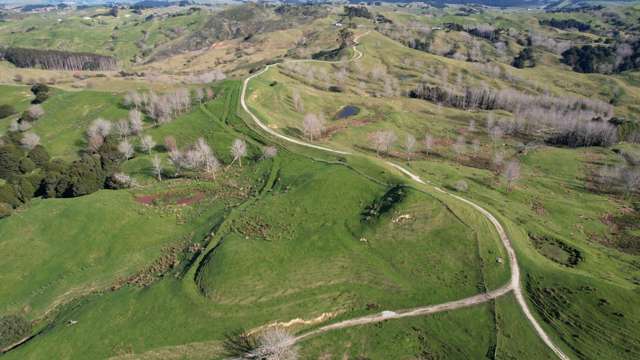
(288, 239)
(292, 253)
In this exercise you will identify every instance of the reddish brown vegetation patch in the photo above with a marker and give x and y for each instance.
(191, 199)
(170, 198)
(146, 199)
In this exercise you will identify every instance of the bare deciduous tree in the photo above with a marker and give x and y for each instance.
(122, 127)
(460, 146)
(14, 126)
(631, 180)
(170, 144)
(133, 99)
(238, 150)
(209, 162)
(475, 146)
(29, 141)
(313, 126)
(298, 105)
(511, 173)
(99, 127)
(427, 143)
(124, 180)
(147, 143)
(409, 145)
(126, 149)
(94, 142)
(135, 121)
(274, 344)
(35, 112)
(156, 162)
(496, 133)
(269, 152)
(472, 126)
(175, 156)
(382, 140)
(198, 95)
(498, 161)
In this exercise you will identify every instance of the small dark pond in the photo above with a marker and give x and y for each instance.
(347, 111)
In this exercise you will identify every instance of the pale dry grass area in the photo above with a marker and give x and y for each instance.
(236, 57)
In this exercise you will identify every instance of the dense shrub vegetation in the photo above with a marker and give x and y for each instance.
(566, 24)
(28, 171)
(603, 59)
(41, 91)
(357, 11)
(382, 205)
(6, 110)
(524, 59)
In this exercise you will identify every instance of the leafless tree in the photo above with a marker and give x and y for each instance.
(511, 173)
(175, 156)
(460, 146)
(211, 164)
(427, 143)
(14, 126)
(472, 126)
(24, 125)
(498, 161)
(181, 99)
(126, 149)
(122, 127)
(269, 152)
(312, 126)
(382, 140)
(275, 344)
(496, 134)
(238, 150)
(409, 145)
(191, 159)
(198, 95)
(124, 180)
(147, 143)
(29, 141)
(156, 162)
(133, 99)
(623, 51)
(208, 161)
(135, 121)
(475, 146)
(35, 112)
(170, 144)
(94, 142)
(99, 128)
(631, 180)
(297, 101)
(491, 121)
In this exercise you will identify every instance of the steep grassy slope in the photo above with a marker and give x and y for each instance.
(65, 248)
(271, 265)
(568, 249)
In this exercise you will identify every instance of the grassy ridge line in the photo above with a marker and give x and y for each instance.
(514, 283)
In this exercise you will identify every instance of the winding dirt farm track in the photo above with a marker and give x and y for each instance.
(513, 285)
